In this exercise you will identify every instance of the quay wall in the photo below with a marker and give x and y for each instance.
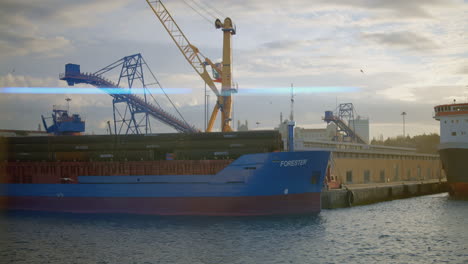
(362, 195)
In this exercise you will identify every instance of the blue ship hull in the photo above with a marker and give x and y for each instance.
(254, 184)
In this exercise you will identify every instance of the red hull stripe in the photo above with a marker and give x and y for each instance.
(222, 206)
(452, 113)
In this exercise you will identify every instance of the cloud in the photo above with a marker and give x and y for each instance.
(410, 92)
(401, 8)
(41, 27)
(463, 69)
(13, 80)
(286, 44)
(13, 44)
(396, 8)
(64, 13)
(406, 40)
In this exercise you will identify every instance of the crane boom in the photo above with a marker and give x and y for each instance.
(192, 55)
(189, 51)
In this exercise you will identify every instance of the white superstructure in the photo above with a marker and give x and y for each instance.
(453, 124)
(453, 148)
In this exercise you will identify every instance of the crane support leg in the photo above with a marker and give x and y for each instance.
(212, 118)
(226, 114)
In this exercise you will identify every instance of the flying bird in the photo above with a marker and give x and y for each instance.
(362, 71)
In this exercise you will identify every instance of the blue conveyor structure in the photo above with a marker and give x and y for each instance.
(131, 70)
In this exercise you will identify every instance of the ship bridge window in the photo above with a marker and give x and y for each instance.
(461, 108)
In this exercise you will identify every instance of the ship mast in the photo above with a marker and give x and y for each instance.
(291, 116)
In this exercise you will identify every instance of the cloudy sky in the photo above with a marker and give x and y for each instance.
(413, 55)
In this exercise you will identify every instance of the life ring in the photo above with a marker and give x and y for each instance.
(350, 198)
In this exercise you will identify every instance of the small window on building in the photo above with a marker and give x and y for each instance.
(408, 174)
(366, 176)
(419, 172)
(454, 133)
(382, 176)
(349, 176)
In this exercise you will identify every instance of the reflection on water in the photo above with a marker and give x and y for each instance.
(419, 230)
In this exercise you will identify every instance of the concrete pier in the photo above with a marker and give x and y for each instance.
(361, 194)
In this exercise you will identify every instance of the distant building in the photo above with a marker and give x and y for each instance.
(283, 130)
(361, 127)
(242, 127)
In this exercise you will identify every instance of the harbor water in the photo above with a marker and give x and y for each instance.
(427, 229)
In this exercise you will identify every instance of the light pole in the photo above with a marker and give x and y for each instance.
(404, 114)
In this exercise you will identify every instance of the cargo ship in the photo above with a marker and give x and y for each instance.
(235, 173)
(453, 148)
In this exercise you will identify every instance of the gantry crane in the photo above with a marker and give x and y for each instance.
(192, 55)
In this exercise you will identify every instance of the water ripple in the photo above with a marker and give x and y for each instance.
(429, 229)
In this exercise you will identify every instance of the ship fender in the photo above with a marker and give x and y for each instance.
(451, 191)
(350, 198)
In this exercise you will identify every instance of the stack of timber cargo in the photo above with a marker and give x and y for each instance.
(58, 159)
(200, 146)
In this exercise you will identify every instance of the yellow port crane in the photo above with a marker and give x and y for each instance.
(192, 54)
